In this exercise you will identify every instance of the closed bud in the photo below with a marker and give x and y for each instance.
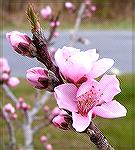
(21, 43)
(62, 121)
(13, 82)
(48, 147)
(43, 139)
(38, 77)
(46, 12)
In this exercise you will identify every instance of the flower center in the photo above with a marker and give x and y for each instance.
(86, 102)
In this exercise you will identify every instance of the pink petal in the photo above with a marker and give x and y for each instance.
(111, 109)
(109, 86)
(100, 67)
(92, 54)
(65, 95)
(87, 86)
(80, 123)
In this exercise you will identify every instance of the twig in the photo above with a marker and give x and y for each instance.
(97, 137)
(10, 127)
(77, 24)
(39, 104)
(40, 126)
(9, 93)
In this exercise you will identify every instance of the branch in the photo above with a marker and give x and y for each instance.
(97, 137)
(39, 104)
(11, 134)
(77, 24)
(9, 93)
(40, 126)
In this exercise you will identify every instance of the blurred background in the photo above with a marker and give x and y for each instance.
(110, 31)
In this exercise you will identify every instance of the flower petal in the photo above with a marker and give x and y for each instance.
(111, 109)
(109, 86)
(80, 123)
(65, 95)
(100, 67)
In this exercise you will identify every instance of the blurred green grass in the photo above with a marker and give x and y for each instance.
(118, 131)
(103, 25)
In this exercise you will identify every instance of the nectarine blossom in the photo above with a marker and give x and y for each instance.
(75, 64)
(91, 98)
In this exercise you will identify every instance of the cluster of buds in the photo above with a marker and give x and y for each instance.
(5, 74)
(48, 15)
(43, 140)
(90, 8)
(22, 105)
(70, 7)
(9, 111)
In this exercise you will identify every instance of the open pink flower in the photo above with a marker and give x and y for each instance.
(38, 77)
(75, 64)
(46, 12)
(20, 42)
(91, 98)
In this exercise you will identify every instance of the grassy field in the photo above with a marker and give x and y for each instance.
(106, 25)
(120, 132)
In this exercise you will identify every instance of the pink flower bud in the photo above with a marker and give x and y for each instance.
(56, 111)
(43, 139)
(38, 77)
(18, 106)
(87, 2)
(55, 24)
(9, 108)
(14, 116)
(21, 99)
(61, 121)
(56, 34)
(21, 43)
(46, 108)
(68, 5)
(4, 67)
(13, 81)
(24, 106)
(93, 8)
(48, 147)
(5, 76)
(46, 12)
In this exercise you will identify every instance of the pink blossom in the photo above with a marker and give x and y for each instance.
(76, 65)
(13, 82)
(46, 12)
(90, 98)
(48, 147)
(43, 139)
(38, 77)
(20, 42)
(4, 67)
(87, 2)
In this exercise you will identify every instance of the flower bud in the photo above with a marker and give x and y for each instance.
(43, 139)
(62, 121)
(46, 12)
(4, 76)
(9, 108)
(21, 43)
(38, 77)
(46, 108)
(48, 147)
(4, 67)
(13, 81)
(93, 8)
(24, 106)
(55, 24)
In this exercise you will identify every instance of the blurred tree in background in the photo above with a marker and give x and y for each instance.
(11, 12)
